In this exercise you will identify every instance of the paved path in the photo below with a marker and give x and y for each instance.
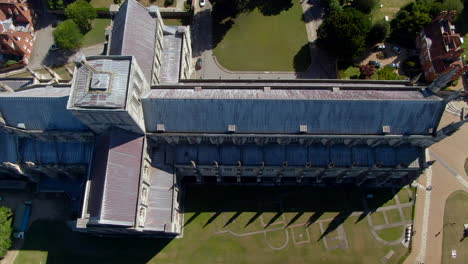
(447, 176)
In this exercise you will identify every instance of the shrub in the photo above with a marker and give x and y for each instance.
(187, 5)
(9, 62)
(364, 6)
(344, 33)
(82, 13)
(409, 21)
(5, 230)
(67, 35)
(387, 73)
(55, 4)
(378, 32)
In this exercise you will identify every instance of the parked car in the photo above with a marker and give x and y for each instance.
(54, 47)
(198, 64)
(202, 3)
(394, 65)
(396, 49)
(379, 47)
(377, 64)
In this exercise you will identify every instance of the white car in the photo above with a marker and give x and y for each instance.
(202, 3)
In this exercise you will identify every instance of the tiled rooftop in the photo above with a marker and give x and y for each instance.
(105, 88)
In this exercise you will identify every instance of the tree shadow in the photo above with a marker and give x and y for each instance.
(220, 30)
(273, 7)
(313, 13)
(301, 60)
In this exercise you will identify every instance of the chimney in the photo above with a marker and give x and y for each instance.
(80, 60)
(154, 11)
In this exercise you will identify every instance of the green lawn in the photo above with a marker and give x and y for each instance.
(176, 21)
(97, 33)
(390, 8)
(408, 212)
(256, 42)
(349, 73)
(391, 234)
(393, 216)
(207, 240)
(378, 218)
(455, 216)
(102, 3)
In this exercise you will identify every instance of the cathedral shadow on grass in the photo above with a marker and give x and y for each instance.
(61, 245)
(293, 199)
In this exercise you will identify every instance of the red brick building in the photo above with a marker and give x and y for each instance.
(17, 22)
(439, 47)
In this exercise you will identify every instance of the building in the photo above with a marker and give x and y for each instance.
(17, 21)
(439, 48)
(132, 146)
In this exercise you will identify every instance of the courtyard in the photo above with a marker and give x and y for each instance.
(271, 37)
(250, 225)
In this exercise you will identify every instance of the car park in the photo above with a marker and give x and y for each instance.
(394, 65)
(396, 49)
(377, 64)
(379, 47)
(198, 64)
(54, 47)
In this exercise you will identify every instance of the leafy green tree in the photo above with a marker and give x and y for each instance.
(364, 6)
(387, 73)
(67, 35)
(5, 230)
(411, 19)
(344, 33)
(82, 13)
(456, 5)
(333, 5)
(378, 32)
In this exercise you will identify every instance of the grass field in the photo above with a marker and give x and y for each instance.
(455, 216)
(265, 43)
(101, 3)
(390, 8)
(391, 234)
(97, 33)
(263, 225)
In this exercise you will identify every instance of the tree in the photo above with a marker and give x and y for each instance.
(387, 73)
(67, 35)
(364, 6)
(456, 5)
(411, 19)
(366, 71)
(378, 32)
(5, 230)
(82, 13)
(344, 33)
